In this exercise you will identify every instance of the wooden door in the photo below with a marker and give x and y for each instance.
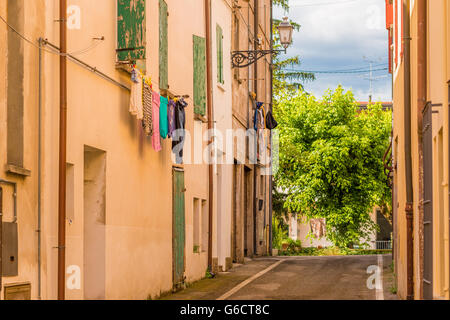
(178, 228)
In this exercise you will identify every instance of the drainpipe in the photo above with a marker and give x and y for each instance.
(62, 150)
(39, 170)
(421, 103)
(409, 210)
(255, 89)
(210, 126)
(271, 146)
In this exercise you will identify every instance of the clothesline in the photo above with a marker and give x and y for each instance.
(152, 82)
(161, 118)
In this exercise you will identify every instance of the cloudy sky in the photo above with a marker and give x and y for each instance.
(342, 35)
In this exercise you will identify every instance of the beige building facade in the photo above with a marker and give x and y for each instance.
(125, 202)
(421, 99)
(252, 178)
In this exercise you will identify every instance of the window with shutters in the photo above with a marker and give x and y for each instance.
(163, 46)
(219, 37)
(131, 30)
(199, 75)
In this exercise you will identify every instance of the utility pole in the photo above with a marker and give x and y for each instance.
(371, 78)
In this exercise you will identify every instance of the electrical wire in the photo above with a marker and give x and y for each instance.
(94, 44)
(323, 3)
(335, 71)
(349, 69)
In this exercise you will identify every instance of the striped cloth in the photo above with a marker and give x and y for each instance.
(147, 121)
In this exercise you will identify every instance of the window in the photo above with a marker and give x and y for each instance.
(163, 46)
(196, 225)
(205, 231)
(219, 39)
(131, 29)
(199, 75)
(200, 225)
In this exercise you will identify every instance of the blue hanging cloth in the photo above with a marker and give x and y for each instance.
(255, 118)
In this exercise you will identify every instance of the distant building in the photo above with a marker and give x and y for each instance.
(386, 105)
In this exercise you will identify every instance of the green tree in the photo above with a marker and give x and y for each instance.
(331, 161)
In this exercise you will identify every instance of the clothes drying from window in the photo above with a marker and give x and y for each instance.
(163, 119)
(271, 123)
(259, 119)
(171, 117)
(147, 122)
(178, 135)
(136, 107)
(259, 123)
(156, 138)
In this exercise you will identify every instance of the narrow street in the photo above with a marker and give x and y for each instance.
(295, 278)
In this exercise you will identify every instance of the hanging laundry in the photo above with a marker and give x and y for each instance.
(171, 117)
(156, 138)
(147, 122)
(134, 75)
(163, 119)
(179, 133)
(136, 107)
(259, 117)
(259, 124)
(271, 123)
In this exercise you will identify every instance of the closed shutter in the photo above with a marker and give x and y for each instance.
(427, 137)
(199, 75)
(131, 29)
(163, 46)
(219, 37)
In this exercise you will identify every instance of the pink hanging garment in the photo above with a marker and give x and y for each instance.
(156, 138)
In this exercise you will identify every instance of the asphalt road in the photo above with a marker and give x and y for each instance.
(299, 278)
(323, 278)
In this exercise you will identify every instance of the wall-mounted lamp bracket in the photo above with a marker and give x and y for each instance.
(242, 59)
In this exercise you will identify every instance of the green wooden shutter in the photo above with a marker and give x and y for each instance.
(178, 228)
(131, 26)
(199, 75)
(219, 37)
(163, 46)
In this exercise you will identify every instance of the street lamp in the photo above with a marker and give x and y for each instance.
(242, 59)
(285, 29)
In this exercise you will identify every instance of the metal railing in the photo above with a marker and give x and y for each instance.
(383, 245)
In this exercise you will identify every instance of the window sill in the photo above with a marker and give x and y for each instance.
(221, 86)
(199, 117)
(10, 168)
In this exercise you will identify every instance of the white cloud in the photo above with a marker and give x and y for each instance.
(338, 36)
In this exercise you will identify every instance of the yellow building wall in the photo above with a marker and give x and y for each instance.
(437, 94)
(138, 232)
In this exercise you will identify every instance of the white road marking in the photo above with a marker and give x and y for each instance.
(379, 287)
(246, 282)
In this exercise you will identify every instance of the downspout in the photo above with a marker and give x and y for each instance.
(271, 146)
(255, 89)
(210, 127)
(421, 103)
(409, 210)
(39, 170)
(62, 150)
